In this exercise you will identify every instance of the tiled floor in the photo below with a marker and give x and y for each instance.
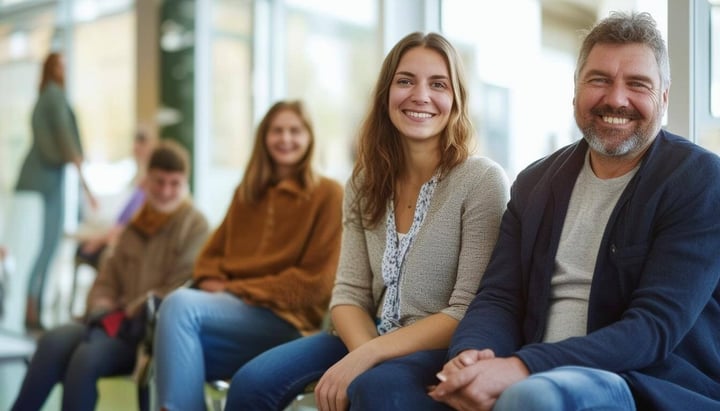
(116, 394)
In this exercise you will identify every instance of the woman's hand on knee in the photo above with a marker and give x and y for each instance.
(331, 390)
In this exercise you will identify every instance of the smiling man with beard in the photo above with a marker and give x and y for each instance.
(602, 292)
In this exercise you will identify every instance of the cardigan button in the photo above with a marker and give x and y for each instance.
(612, 248)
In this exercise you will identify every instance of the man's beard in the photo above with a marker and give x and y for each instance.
(630, 144)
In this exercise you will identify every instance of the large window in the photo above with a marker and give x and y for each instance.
(229, 141)
(25, 39)
(99, 83)
(715, 57)
(505, 93)
(103, 85)
(331, 62)
(521, 74)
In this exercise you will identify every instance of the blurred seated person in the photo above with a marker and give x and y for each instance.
(153, 255)
(90, 249)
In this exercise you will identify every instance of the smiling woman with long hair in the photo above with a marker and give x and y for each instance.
(421, 217)
(265, 275)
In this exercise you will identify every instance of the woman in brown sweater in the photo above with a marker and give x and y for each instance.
(265, 275)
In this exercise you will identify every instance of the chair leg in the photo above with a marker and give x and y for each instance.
(217, 404)
(76, 270)
(295, 405)
(143, 393)
(218, 390)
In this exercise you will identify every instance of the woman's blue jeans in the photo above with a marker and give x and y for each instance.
(273, 379)
(202, 336)
(568, 388)
(53, 219)
(77, 356)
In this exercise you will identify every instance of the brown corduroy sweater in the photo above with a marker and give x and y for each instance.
(281, 253)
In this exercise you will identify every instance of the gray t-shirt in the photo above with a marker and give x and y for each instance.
(591, 203)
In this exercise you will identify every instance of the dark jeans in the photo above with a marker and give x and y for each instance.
(76, 356)
(271, 380)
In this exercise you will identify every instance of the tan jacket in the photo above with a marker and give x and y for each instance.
(281, 253)
(139, 264)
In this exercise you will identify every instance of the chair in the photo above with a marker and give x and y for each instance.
(80, 260)
(143, 369)
(15, 347)
(216, 391)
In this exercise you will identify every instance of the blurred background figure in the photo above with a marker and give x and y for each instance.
(91, 247)
(56, 142)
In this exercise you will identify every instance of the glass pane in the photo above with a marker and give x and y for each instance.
(521, 75)
(24, 42)
(231, 72)
(332, 61)
(231, 125)
(715, 58)
(103, 86)
(504, 98)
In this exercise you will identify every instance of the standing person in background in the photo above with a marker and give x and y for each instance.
(90, 249)
(603, 292)
(420, 220)
(56, 142)
(155, 254)
(265, 275)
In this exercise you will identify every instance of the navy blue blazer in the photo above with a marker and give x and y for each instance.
(654, 307)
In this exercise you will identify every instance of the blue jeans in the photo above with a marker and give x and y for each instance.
(568, 388)
(201, 336)
(272, 380)
(53, 220)
(77, 356)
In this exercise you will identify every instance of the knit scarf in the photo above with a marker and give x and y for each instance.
(149, 220)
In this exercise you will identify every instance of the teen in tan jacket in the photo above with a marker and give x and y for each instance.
(153, 255)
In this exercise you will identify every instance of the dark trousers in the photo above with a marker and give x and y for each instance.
(76, 356)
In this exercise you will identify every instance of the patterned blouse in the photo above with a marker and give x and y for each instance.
(395, 253)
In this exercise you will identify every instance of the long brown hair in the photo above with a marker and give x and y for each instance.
(260, 172)
(381, 158)
(50, 72)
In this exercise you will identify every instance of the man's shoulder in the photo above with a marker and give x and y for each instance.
(676, 153)
(674, 144)
(554, 161)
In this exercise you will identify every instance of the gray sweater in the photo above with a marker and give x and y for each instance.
(448, 257)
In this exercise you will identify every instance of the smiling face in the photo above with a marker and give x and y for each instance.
(287, 141)
(618, 102)
(165, 190)
(421, 95)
